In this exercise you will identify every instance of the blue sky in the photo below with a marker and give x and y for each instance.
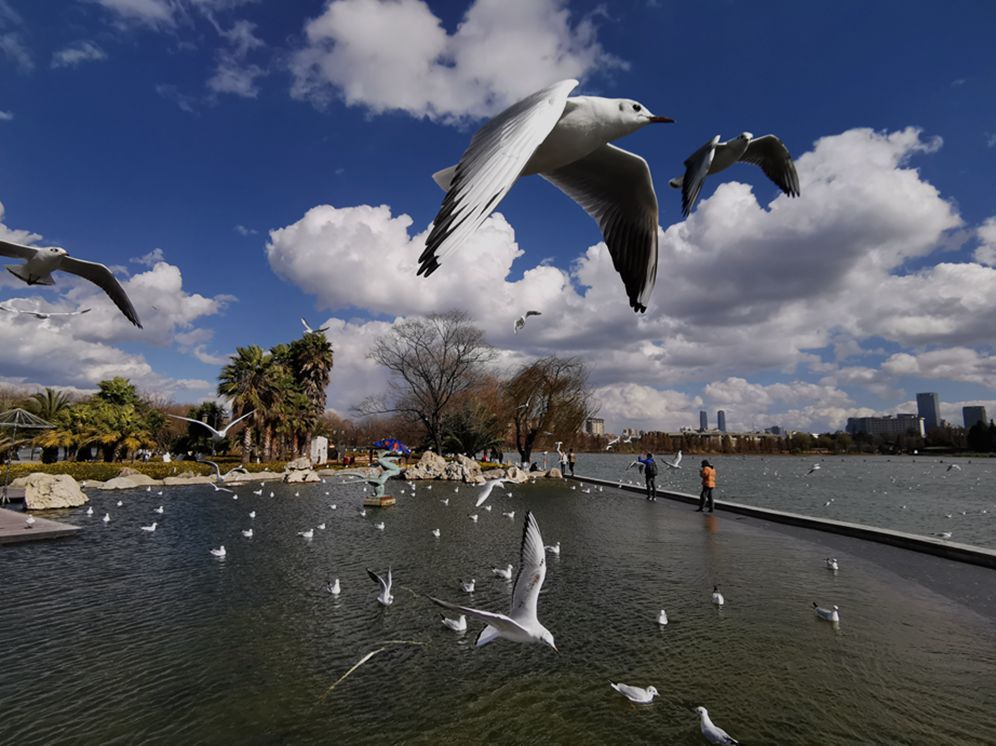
(185, 131)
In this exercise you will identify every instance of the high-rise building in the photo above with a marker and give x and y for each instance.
(972, 415)
(594, 426)
(928, 406)
(703, 420)
(721, 420)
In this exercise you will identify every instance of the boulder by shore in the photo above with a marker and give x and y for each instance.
(50, 491)
(432, 466)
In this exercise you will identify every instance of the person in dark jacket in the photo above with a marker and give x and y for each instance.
(650, 474)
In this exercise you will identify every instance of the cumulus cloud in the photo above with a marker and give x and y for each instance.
(951, 364)
(82, 350)
(785, 278)
(389, 55)
(152, 258)
(986, 251)
(75, 54)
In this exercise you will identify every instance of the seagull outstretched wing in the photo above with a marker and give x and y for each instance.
(489, 167)
(615, 188)
(101, 276)
(532, 572)
(773, 157)
(696, 169)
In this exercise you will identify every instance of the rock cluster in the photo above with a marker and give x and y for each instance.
(299, 471)
(49, 491)
(432, 466)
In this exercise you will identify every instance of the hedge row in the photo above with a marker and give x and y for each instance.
(99, 471)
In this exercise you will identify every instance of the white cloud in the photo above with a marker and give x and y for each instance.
(152, 258)
(233, 73)
(743, 288)
(81, 350)
(244, 231)
(951, 364)
(395, 55)
(171, 93)
(15, 50)
(6, 116)
(986, 252)
(74, 54)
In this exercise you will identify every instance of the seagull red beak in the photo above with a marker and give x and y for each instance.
(662, 120)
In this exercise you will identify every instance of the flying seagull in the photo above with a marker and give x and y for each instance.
(676, 464)
(521, 321)
(385, 598)
(309, 330)
(217, 469)
(521, 623)
(40, 263)
(566, 141)
(215, 434)
(766, 151)
(488, 488)
(45, 314)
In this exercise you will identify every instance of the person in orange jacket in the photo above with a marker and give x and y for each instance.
(708, 475)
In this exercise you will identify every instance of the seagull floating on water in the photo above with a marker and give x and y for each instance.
(766, 151)
(554, 549)
(468, 586)
(717, 597)
(106, 518)
(151, 528)
(435, 532)
(333, 587)
(120, 503)
(510, 516)
(258, 492)
(521, 321)
(307, 534)
(662, 618)
(636, 694)
(159, 510)
(832, 564)
(566, 141)
(219, 552)
(457, 625)
(40, 263)
(521, 624)
(473, 517)
(247, 533)
(712, 732)
(321, 526)
(379, 526)
(505, 573)
(827, 615)
(89, 510)
(385, 598)
(252, 513)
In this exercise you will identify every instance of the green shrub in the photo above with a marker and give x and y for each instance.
(98, 471)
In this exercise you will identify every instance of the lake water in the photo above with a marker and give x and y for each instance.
(913, 494)
(121, 637)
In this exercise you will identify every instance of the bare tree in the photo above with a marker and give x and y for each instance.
(548, 397)
(431, 361)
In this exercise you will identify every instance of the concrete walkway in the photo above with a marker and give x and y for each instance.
(939, 547)
(13, 528)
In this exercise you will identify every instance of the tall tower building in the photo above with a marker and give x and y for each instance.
(721, 420)
(972, 415)
(703, 420)
(928, 406)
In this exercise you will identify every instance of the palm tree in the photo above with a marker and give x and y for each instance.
(312, 359)
(243, 380)
(49, 405)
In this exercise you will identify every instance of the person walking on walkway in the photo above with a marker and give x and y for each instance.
(572, 460)
(708, 475)
(650, 474)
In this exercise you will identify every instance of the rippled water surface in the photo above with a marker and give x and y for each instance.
(914, 494)
(118, 636)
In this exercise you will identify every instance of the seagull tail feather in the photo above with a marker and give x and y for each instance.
(444, 178)
(20, 272)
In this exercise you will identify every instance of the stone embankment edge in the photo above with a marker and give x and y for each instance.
(948, 549)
